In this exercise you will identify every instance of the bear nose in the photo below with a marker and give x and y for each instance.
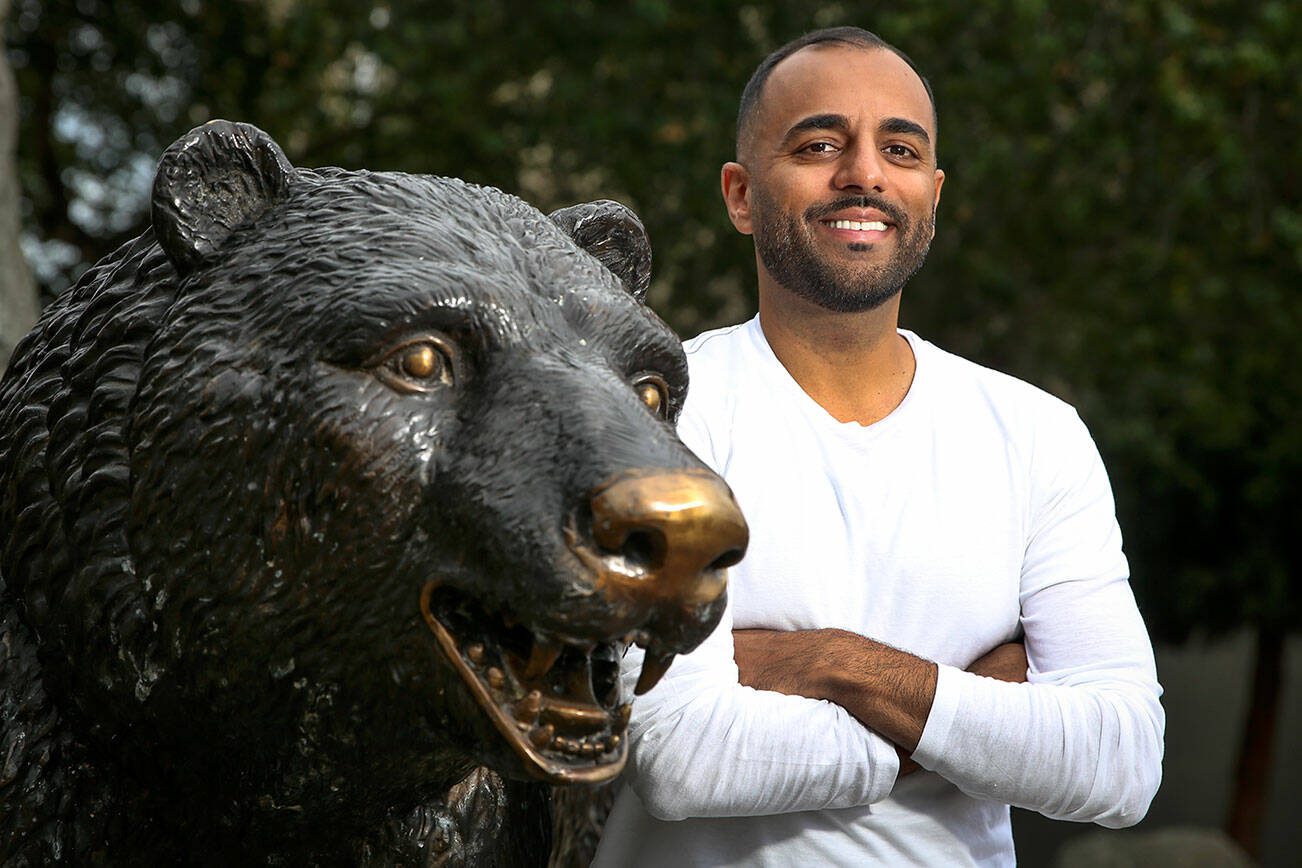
(667, 536)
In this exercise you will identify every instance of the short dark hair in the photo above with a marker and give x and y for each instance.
(855, 36)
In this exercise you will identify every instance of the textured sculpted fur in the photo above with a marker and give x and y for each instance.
(230, 462)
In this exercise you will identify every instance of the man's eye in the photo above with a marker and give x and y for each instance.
(819, 148)
(654, 393)
(901, 151)
(420, 365)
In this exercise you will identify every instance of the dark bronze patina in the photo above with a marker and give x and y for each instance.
(329, 507)
(652, 556)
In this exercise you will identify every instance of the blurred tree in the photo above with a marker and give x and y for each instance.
(1122, 221)
(18, 307)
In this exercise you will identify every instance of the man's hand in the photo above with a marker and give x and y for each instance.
(1006, 662)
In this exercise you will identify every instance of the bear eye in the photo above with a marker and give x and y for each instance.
(654, 392)
(421, 365)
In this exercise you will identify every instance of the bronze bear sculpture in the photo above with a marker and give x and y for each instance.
(328, 506)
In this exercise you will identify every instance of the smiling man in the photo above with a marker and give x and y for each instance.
(934, 619)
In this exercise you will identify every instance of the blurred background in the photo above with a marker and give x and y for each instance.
(1121, 225)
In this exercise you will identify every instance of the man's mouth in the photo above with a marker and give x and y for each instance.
(857, 225)
(853, 232)
(857, 219)
(558, 704)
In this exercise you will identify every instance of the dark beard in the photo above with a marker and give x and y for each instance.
(787, 251)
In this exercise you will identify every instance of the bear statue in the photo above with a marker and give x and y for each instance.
(328, 507)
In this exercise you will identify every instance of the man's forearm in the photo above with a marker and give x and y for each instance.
(1068, 749)
(887, 690)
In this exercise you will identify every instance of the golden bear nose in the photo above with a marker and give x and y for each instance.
(667, 536)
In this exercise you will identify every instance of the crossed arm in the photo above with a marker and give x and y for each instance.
(1077, 736)
(887, 690)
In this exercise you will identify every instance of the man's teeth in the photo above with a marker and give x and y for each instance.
(858, 225)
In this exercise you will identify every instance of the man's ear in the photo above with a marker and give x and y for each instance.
(734, 180)
(210, 182)
(614, 234)
(939, 178)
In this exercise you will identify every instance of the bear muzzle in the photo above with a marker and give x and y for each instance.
(655, 545)
(661, 544)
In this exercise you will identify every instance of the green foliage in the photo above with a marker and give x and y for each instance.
(1122, 220)
(1126, 213)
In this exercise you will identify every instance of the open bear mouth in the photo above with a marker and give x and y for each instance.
(557, 704)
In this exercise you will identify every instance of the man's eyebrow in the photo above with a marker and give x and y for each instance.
(840, 123)
(904, 126)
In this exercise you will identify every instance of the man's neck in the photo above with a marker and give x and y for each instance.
(855, 365)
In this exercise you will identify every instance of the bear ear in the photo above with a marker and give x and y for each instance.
(614, 234)
(211, 181)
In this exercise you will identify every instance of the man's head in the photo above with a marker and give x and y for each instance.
(852, 37)
(836, 174)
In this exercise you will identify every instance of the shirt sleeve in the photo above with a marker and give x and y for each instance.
(1082, 739)
(703, 745)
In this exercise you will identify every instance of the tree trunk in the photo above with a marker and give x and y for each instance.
(1257, 751)
(18, 304)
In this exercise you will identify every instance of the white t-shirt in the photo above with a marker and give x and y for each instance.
(977, 512)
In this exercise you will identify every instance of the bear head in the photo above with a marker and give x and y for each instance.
(335, 484)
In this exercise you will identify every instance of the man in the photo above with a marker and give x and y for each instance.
(893, 491)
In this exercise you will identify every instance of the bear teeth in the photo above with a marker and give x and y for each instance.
(654, 667)
(543, 736)
(586, 746)
(526, 710)
(556, 703)
(541, 659)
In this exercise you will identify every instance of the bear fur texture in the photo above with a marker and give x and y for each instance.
(328, 506)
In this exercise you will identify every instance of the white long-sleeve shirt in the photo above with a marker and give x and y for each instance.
(977, 512)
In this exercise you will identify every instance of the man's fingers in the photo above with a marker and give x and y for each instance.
(1006, 662)
(907, 765)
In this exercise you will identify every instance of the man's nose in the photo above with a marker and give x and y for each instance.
(861, 169)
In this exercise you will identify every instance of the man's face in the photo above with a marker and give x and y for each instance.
(839, 184)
